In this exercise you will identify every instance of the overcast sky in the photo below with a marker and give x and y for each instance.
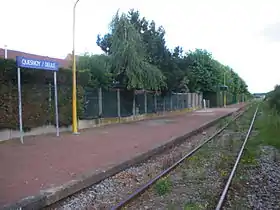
(244, 34)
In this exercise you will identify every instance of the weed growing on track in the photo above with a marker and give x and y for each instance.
(163, 186)
(193, 206)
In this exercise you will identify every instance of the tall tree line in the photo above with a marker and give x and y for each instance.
(136, 57)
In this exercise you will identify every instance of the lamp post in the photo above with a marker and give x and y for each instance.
(74, 93)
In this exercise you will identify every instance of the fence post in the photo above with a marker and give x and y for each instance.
(155, 101)
(178, 106)
(100, 105)
(100, 102)
(133, 105)
(200, 100)
(190, 100)
(196, 100)
(119, 103)
(164, 104)
(171, 103)
(145, 102)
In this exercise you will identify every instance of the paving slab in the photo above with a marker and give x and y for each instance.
(44, 163)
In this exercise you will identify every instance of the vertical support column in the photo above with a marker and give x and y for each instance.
(100, 107)
(183, 101)
(119, 103)
(56, 103)
(20, 105)
(145, 102)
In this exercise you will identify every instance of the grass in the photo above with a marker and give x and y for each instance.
(163, 186)
(193, 206)
(267, 125)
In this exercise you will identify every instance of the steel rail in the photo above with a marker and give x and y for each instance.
(172, 167)
(224, 193)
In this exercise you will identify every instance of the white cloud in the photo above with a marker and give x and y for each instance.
(231, 30)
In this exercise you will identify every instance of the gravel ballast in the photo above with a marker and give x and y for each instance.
(257, 185)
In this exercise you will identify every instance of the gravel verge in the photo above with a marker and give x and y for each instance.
(256, 184)
(112, 190)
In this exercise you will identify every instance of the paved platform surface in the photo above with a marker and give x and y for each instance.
(47, 161)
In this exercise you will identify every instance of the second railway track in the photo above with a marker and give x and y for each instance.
(201, 178)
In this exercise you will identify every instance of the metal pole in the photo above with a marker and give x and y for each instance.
(155, 102)
(119, 102)
(56, 103)
(133, 105)
(171, 103)
(100, 101)
(50, 101)
(20, 106)
(74, 94)
(177, 97)
(145, 102)
(225, 97)
(164, 104)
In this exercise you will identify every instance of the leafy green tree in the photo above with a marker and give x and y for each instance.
(195, 71)
(128, 57)
(203, 74)
(97, 67)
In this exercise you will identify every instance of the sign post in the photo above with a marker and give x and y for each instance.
(46, 65)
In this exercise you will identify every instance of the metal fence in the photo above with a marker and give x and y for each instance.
(118, 103)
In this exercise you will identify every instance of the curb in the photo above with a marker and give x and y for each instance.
(53, 195)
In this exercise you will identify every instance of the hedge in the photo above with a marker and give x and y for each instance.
(36, 87)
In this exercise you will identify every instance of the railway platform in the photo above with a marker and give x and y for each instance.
(47, 168)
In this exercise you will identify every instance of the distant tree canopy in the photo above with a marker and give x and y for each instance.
(136, 57)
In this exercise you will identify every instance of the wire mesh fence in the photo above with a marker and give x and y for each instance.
(118, 103)
(38, 104)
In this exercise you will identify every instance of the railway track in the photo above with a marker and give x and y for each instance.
(112, 190)
(131, 202)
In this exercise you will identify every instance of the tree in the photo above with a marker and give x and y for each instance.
(128, 57)
(203, 73)
(195, 71)
(97, 67)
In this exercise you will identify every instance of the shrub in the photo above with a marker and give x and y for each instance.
(37, 96)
